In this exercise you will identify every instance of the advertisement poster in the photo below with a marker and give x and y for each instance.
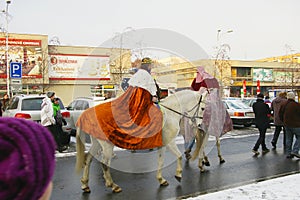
(25, 51)
(261, 74)
(283, 77)
(81, 67)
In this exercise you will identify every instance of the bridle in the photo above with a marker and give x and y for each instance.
(194, 116)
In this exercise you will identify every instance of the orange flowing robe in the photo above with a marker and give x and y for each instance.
(131, 121)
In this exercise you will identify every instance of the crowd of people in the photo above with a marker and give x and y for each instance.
(286, 113)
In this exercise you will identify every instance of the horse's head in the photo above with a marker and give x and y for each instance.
(196, 107)
(187, 103)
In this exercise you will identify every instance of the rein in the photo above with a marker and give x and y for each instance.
(192, 118)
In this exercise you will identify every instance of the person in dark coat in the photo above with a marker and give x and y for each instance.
(275, 106)
(262, 121)
(290, 115)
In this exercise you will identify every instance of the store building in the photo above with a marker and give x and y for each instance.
(74, 71)
(70, 71)
(233, 74)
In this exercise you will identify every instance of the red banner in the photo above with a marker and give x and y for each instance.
(20, 42)
(244, 87)
(258, 87)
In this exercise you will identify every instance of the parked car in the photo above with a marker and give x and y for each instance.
(240, 113)
(249, 101)
(80, 104)
(29, 107)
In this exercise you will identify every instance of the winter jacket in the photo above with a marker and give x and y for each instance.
(261, 111)
(291, 113)
(47, 117)
(275, 106)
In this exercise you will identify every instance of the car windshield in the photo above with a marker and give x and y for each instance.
(236, 104)
(35, 104)
(32, 104)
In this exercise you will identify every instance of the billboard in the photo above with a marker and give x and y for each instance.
(24, 51)
(79, 67)
(265, 75)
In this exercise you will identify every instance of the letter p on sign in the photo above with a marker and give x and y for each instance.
(15, 70)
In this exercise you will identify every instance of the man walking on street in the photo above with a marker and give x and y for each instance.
(275, 106)
(262, 121)
(290, 114)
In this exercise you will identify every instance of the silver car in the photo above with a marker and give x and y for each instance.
(80, 104)
(29, 107)
(240, 113)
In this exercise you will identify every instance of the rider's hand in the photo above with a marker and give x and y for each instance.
(154, 99)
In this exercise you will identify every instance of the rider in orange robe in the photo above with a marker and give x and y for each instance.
(131, 121)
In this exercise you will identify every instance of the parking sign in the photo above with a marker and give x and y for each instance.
(15, 70)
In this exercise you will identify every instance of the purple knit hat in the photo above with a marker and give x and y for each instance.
(27, 159)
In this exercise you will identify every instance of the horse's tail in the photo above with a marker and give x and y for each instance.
(199, 142)
(80, 149)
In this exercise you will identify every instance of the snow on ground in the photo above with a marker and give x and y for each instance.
(283, 188)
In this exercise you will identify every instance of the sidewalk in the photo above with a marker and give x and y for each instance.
(283, 188)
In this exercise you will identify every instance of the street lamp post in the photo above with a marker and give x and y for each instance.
(221, 55)
(6, 42)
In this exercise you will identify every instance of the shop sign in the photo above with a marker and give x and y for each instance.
(73, 66)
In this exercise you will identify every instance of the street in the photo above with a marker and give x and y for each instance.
(135, 172)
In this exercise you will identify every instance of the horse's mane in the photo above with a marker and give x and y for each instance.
(177, 94)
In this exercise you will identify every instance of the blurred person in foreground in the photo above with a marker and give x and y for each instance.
(290, 115)
(275, 106)
(27, 160)
(262, 112)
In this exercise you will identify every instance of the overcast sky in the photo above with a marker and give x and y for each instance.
(261, 28)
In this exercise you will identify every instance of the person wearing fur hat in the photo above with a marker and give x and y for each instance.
(48, 120)
(262, 122)
(290, 115)
(27, 160)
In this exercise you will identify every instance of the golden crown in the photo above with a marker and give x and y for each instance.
(146, 61)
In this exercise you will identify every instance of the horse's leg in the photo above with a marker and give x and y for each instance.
(218, 143)
(204, 139)
(161, 156)
(83, 160)
(174, 149)
(86, 172)
(205, 159)
(107, 150)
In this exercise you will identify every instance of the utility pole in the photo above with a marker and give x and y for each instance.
(6, 49)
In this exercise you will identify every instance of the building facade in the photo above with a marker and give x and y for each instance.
(233, 74)
(70, 71)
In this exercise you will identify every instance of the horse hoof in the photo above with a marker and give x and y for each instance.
(86, 190)
(165, 183)
(117, 190)
(178, 178)
(206, 163)
(222, 161)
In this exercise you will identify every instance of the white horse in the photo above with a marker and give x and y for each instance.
(184, 103)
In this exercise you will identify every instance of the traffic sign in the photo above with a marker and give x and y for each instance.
(15, 70)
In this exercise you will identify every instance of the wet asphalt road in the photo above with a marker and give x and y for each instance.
(135, 172)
